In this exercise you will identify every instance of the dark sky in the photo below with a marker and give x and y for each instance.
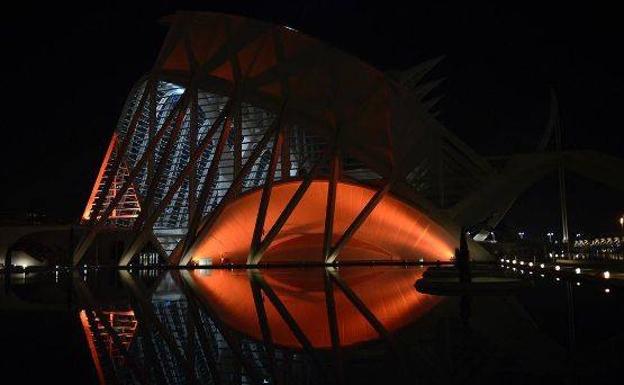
(68, 71)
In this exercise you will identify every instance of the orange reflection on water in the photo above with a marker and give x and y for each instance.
(388, 292)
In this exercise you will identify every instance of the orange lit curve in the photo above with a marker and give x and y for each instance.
(393, 231)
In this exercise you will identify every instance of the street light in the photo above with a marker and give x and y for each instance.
(521, 234)
(550, 235)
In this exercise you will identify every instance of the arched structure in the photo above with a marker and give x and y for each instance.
(234, 105)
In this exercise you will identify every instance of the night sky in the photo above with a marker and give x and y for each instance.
(68, 70)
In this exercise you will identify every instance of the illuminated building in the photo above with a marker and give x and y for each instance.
(249, 139)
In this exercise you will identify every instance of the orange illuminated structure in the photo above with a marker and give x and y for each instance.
(392, 231)
(327, 157)
(128, 206)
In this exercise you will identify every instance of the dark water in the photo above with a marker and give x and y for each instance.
(353, 325)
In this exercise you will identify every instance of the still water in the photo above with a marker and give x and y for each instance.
(352, 325)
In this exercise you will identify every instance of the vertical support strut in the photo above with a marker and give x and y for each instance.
(331, 204)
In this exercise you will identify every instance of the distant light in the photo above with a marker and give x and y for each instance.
(514, 261)
(521, 271)
(557, 267)
(577, 270)
(530, 264)
(557, 279)
(607, 290)
(542, 275)
(290, 28)
(502, 260)
(522, 263)
(578, 284)
(541, 265)
(514, 269)
(606, 275)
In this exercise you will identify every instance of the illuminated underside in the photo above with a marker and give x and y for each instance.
(393, 231)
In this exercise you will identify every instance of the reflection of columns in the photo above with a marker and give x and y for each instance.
(289, 320)
(87, 298)
(369, 316)
(193, 294)
(263, 321)
(146, 315)
(332, 320)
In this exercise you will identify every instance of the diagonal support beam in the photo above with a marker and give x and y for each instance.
(290, 207)
(90, 236)
(265, 199)
(146, 210)
(357, 222)
(121, 151)
(143, 235)
(186, 250)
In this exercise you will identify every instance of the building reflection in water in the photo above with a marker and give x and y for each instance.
(278, 326)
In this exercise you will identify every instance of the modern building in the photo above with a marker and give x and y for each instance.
(252, 142)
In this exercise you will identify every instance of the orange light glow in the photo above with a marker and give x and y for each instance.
(387, 292)
(86, 215)
(393, 231)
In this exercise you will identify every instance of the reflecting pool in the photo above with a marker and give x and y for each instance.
(347, 325)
